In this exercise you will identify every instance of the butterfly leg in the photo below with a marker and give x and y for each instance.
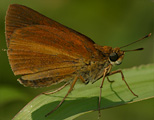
(71, 88)
(123, 78)
(47, 93)
(99, 104)
(83, 80)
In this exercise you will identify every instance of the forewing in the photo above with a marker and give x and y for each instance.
(19, 16)
(37, 48)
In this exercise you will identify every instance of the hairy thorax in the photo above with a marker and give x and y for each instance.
(94, 70)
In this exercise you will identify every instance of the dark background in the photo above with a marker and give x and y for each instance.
(108, 22)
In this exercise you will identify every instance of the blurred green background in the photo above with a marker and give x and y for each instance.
(108, 22)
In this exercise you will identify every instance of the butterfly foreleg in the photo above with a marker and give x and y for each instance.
(123, 78)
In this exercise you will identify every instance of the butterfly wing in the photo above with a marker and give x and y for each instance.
(43, 51)
(19, 16)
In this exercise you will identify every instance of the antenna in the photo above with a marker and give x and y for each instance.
(133, 50)
(136, 41)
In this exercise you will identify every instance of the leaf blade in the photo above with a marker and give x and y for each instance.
(85, 98)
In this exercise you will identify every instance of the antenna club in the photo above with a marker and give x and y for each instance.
(148, 35)
(140, 49)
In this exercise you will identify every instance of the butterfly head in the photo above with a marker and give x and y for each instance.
(116, 56)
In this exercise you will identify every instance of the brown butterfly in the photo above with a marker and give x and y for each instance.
(45, 52)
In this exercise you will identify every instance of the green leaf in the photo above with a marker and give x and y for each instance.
(84, 98)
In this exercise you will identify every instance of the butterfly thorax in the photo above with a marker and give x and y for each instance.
(108, 57)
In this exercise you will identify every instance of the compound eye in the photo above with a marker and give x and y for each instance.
(113, 56)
